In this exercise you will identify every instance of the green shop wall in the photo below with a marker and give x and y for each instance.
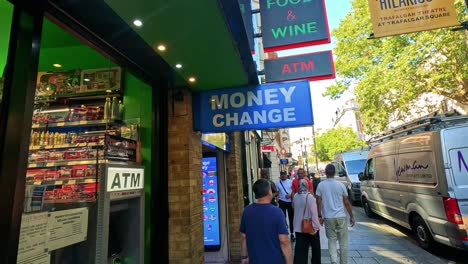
(6, 14)
(138, 104)
(72, 58)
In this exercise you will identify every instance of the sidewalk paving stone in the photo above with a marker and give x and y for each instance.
(371, 242)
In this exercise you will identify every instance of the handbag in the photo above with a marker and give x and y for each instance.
(306, 223)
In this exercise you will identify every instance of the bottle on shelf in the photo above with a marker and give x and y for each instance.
(51, 138)
(107, 109)
(41, 138)
(34, 138)
(115, 109)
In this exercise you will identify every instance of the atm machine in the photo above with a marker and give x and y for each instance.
(120, 215)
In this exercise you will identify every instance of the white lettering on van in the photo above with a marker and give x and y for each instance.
(407, 167)
(460, 161)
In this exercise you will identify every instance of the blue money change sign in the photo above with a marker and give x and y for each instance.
(274, 105)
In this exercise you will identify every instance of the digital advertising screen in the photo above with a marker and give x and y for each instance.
(211, 230)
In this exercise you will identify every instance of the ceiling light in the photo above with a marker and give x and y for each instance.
(192, 79)
(137, 23)
(178, 65)
(86, 79)
(161, 47)
(56, 65)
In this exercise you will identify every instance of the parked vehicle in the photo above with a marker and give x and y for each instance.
(348, 165)
(418, 178)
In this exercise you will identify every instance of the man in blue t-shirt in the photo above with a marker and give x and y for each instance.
(264, 235)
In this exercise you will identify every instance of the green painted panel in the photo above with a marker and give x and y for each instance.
(138, 104)
(59, 46)
(54, 36)
(6, 14)
(196, 35)
(72, 58)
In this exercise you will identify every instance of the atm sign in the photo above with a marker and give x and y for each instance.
(124, 179)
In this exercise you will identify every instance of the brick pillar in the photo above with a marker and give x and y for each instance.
(185, 186)
(235, 194)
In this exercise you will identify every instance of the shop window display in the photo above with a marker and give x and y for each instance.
(77, 135)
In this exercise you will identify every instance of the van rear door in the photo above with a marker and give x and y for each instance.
(455, 145)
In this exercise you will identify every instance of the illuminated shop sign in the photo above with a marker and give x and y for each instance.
(312, 66)
(274, 105)
(123, 179)
(288, 24)
(211, 232)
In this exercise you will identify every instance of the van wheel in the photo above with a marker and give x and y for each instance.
(423, 235)
(367, 208)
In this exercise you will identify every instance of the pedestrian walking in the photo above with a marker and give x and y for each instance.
(264, 236)
(301, 174)
(332, 199)
(305, 207)
(265, 174)
(284, 187)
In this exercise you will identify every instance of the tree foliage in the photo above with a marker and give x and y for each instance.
(335, 140)
(390, 74)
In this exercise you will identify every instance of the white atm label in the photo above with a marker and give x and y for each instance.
(123, 179)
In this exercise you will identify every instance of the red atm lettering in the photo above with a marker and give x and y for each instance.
(298, 66)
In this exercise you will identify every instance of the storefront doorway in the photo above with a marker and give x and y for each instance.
(86, 139)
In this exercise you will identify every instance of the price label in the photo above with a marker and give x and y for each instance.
(89, 180)
(37, 182)
(60, 124)
(71, 181)
(58, 182)
(83, 122)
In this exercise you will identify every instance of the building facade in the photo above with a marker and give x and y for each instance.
(70, 70)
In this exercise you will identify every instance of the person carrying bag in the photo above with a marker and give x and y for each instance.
(306, 226)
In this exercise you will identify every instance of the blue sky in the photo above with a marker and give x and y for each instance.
(323, 108)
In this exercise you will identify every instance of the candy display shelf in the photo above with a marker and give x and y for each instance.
(75, 124)
(78, 145)
(63, 181)
(66, 163)
(67, 201)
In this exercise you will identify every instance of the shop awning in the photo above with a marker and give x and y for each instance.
(208, 39)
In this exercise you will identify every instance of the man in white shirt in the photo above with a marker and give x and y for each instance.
(284, 187)
(332, 199)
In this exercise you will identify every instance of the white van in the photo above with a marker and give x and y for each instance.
(418, 178)
(348, 165)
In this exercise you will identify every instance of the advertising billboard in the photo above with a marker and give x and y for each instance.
(391, 17)
(211, 231)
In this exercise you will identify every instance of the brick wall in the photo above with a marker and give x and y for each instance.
(234, 193)
(185, 185)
